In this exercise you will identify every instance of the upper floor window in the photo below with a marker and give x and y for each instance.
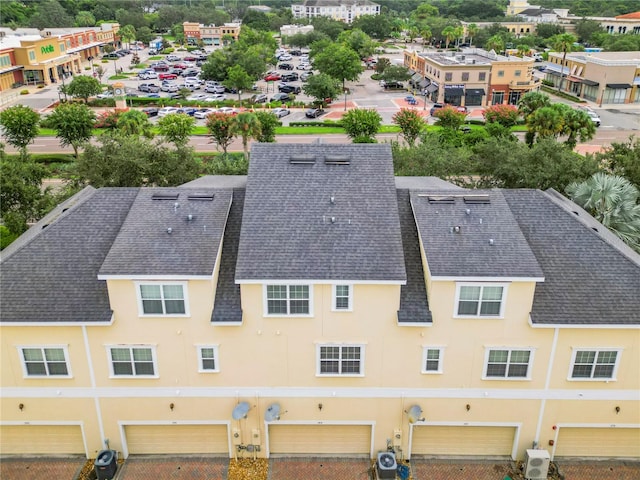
(448, 76)
(475, 300)
(509, 364)
(432, 358)
(132, 361)
(32, 55)
(50, 361)
(292, 300)
(342, 297)
(482, 76)
(208, 359)
(594, 364)
(500, 73)
(166, 299)
(465, 76)
(341, 360)
(518, 73)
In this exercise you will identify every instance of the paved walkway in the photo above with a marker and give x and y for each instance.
(23, 468)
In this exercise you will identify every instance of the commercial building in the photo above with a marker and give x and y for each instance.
(342, 10)
(210, 34)
(320, 306)
(474, 77)
(602, 77)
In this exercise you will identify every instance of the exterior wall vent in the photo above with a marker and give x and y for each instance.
(201, 196)
(164, 196)
(302, 160)
(476, 199)
(337, 160)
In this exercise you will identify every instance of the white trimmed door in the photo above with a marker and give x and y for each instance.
(184, 439)
(598, 442)
(41, 439)
(344, 440)
(462, 440)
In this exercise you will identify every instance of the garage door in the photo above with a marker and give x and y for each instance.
(598, 442)
(41, 439)
(149, 439)
(468, 440)
(320, 439)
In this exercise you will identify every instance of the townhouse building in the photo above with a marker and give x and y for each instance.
(602, 77)
(210, 34)
(474, 77)
(342, 10)
(320, 306)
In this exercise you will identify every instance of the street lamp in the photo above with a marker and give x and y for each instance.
(345, 99)
(425, 98)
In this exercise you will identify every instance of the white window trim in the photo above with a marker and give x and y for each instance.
(425, 349)
(65, 351)
(340, 345)
(334, 297)
(459, 285)
(487, 350)
(614, 374)
(216, 359)
(154, 359)
(265, 300)
(185, 298)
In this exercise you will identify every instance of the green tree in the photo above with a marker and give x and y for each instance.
(577, 126)
(426, 34)
(321, 87)
(85, 19)
(144, 35)
(268, 124)
(396, 73)
(328, 26)
(83, 86)
(613, 201)
(176, 128)
(247, 126)
(358, 41)
(99, 71)
(238, 79)
(472, 30)
(19, 126)
(563, 43)
(623, 158)
(361, 125)
(546, 122)
(527, 106)
(221, 129)
(411, 124)
(495, 43)
(50, 13)
(376, 26)
(449, 34)
(127, 33)
(382, 64)
(449, 118)
(134, 122)
(505, 115)
(585, 29)
(548, 30)
(340, 62)
(73, 123)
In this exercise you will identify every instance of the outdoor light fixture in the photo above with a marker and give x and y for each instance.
(21, 406)
(617, 409)
(171, 406)
(320, 406)
(468, 407)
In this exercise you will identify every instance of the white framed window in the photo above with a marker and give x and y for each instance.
(208, 359)
(45, 361)
(288, 300)
(432, 359)
(340, 360)
(166, 299)
(508, 364)
(480, 300)
(132, 361)
(594, 363)
(342, 298)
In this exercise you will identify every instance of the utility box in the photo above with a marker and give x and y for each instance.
(236, 437)
(106, 465)
(255, 436)
(397, 438)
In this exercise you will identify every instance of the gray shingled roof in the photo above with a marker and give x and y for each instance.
(588, 280)
(472, 239)
(144, 246)
(53, 276)
(287, 227)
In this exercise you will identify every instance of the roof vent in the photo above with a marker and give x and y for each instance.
(441, 199)
(476, 199)
(337, 160)
(165, 196)
(201, 196)
(302, 159)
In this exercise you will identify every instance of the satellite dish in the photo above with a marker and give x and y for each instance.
(240, 411)
(415, 414)
(272, 413)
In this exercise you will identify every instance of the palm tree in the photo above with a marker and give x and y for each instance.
(472, 30)
(134, 122)
(458, 32)
(495, 43)
(426, 35)
(449, 34)
(247, 126)
(563, 43)
(577, 125)
(523, 49)
(532, 101)
(127, 33)
(613, 201)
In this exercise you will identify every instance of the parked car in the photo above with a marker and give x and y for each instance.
(190, 72)
(289, 77)
(169, 87)
(214, 88)
(227, 111)
(149, 87)
(196, 97)
(304, 66)
(150, 111)
(203, 113)
(313, 112)
(107, 94)
(167, 76)
(259, 98)
(592, 115)
(284, 88)
(435, 108)
(163, 112)
(281, 97)
(304, 76)
(216, 97)
(187, 111)
(153, 51)
(272, 77)
(148, 75)
(190, 58)
(285, 66)
(393, 85)
(110, 56)
(172, 58)
(161, 68)
(281, 112)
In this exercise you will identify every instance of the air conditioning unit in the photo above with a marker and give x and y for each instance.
(536, 465)
(387, 465)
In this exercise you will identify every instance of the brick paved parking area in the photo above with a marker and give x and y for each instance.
(617, 470)
(310, 468)
(29, 468)
(456, 469)
(163, 467)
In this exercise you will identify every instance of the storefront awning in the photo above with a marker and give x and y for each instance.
(475, 92)
(432, 88)
(617, 86)
(10, 69)
(590, 83)
(425, 83)
(552, 72)
(573, 78)
(454, 92)
(415, 77)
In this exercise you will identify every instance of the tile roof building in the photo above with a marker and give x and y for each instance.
(343, 10)
(357, 306)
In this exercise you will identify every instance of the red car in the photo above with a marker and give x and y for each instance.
(181, 66)
(272, 77)
(167, 76)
